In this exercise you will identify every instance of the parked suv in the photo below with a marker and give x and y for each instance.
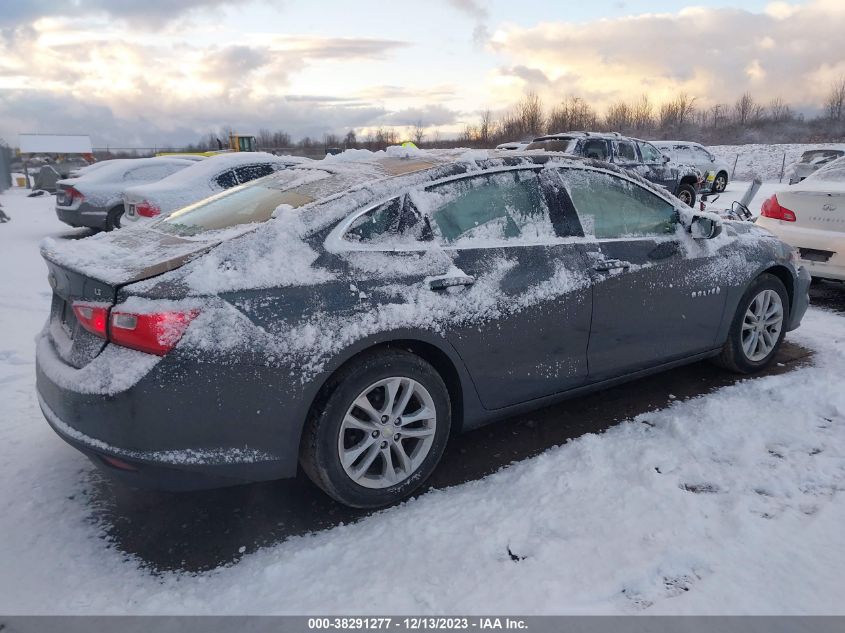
(714, 169)
(629, 153)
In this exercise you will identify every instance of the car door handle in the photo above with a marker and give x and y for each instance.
(443, 283)
(606, 265)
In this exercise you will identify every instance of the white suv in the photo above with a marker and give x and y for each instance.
(715, 170)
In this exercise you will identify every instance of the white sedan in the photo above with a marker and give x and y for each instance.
(199, 181)
(810, 216)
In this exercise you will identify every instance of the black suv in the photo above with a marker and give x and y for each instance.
(629, 153)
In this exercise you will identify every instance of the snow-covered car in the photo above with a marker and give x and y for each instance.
(714, 169)
(629, 153)
(813, 159)
(95, 198)
(203, 179)
(348, 316)
(810, 216)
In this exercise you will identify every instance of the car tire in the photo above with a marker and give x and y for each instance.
(686, 194)
(353, 452)
(113, 218)
(735, 354)
(720, 183)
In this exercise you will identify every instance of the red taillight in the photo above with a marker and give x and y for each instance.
(92, 316)
(771, 209)
(154, 333)
(147, 209)
(72, 194)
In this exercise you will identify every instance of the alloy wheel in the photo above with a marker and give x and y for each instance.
(387, 432)
(762, 325)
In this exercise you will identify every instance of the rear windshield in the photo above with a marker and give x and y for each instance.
(565, 145)
(247, 204)
(821, 155)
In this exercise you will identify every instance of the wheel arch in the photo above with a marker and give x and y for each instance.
(442, 357)
(782, 272)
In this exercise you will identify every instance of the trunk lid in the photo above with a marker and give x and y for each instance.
(92, 270)
(819, 208)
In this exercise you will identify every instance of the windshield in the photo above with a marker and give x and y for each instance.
(818, 156)
(247, 204)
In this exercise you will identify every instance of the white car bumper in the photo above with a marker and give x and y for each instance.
(821, 252)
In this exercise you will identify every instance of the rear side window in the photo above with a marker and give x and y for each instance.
(487, 208)
(820, 156)
(227, 179)
(625, 152)
(612, 207)
(251, 172)
(595, 148)
(395, 222)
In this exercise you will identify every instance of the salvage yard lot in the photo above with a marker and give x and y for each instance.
(674, 494)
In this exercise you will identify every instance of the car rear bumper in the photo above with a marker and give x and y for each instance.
(826, 248)
(82, 216)
(177, 428)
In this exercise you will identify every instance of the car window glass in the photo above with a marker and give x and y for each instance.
(552, 145)
(700, 153)
(612, 207)
(227, 179)
(488, 208)
(650, 153)
(595, 148)
(819, 156)
(246, 173)
(392, 223)
(625, 151)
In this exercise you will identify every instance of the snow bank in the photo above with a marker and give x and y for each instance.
(763, 160)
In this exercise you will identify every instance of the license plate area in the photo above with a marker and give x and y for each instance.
(815, 255)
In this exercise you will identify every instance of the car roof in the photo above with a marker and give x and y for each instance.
(361, 168)
(659, 143)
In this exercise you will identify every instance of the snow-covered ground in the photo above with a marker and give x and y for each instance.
(731, 502)
(766, 161)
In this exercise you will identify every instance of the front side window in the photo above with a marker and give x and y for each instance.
(611, 207)
(700, 153)
(650, 153)
(488, 208)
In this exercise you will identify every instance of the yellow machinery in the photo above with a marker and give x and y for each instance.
(237, 143)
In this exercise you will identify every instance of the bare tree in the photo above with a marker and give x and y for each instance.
(779, 112)
(350, 141)
(485, 127)
(572, 114)
(418, 132)
(747, 111)
(676, 114)
(620, 117)
(835, 103)
(529, 112)
(643, 114)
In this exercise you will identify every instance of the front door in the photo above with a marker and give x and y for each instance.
(654, 297)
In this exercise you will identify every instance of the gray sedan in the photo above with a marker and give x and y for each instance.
(346, 318)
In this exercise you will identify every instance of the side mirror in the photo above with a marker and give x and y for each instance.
(704, 228)
(666, 159)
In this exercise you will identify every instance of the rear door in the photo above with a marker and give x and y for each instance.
(508, 231)
(486, 259)
(651, 302)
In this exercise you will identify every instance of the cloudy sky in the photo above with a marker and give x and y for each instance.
(141, 73)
